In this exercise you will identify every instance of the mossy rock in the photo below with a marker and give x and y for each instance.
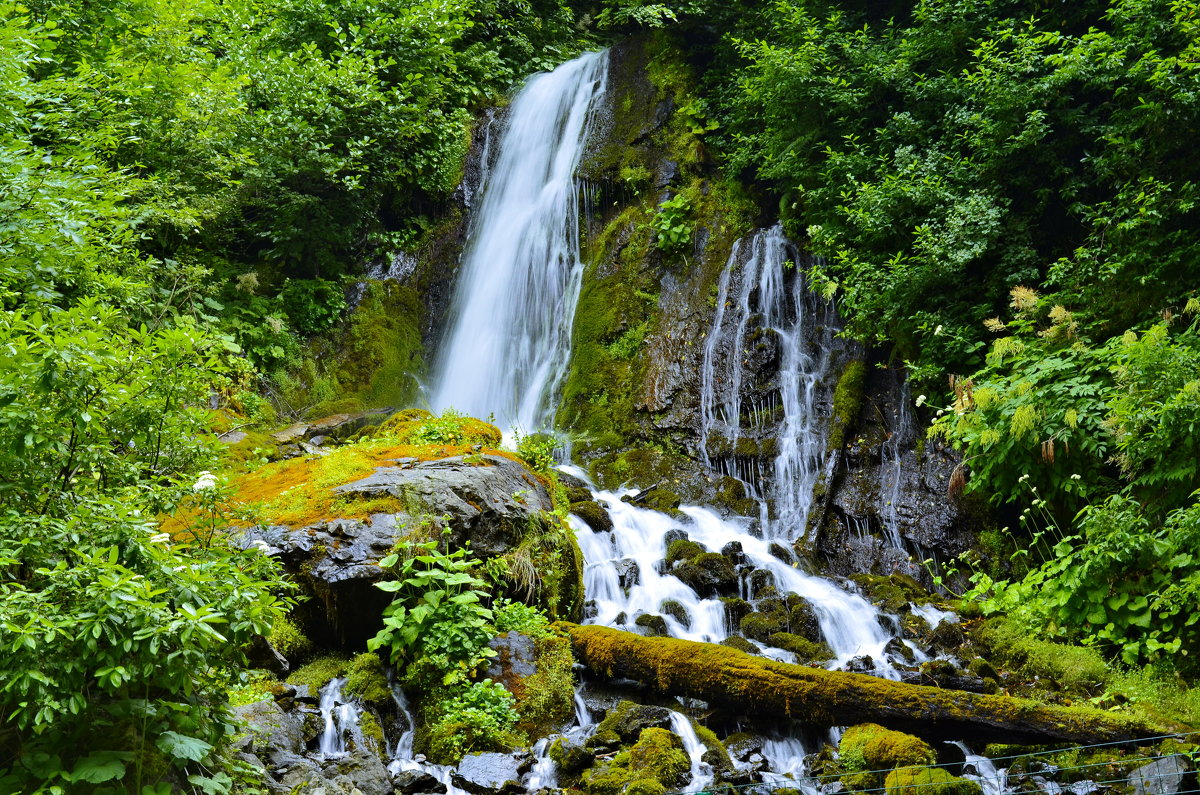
(367, 681)
(546, 703)
(317, 673)
(862, 782)
(593, 515)
(709, 573)
(736, 609)
(802, 619)
(656, 499)
(928, 781)
(659, 754)
(740, 643)
(715, 753)
(677, 611)
(869, 746)
(760, 626)
(847, 401)
(893, 593)
(655, 626)
(806, 651)
(682, 549)
(572, 757)
(947, 635)
(624, 724)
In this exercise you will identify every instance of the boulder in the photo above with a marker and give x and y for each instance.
(271, 730)
(1166, 776)
(408, 782)
(484, 774)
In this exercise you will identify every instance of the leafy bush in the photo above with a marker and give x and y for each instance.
(480, 717)
(437, 608)
(513, 616)
(537, 450)
(671, 225)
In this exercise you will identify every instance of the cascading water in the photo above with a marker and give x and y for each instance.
(515, 297)
(891, 466)
(992, 780)
(339, 716)
(621, 578)
(803, 326)
(701, 771)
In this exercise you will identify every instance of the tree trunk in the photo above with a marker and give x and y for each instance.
(757, 686)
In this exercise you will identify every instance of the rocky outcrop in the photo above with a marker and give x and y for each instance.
(488, 502)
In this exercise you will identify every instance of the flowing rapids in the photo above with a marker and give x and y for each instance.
(507, 346)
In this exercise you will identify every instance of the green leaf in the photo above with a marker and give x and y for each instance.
(100, 766)
(182, 747)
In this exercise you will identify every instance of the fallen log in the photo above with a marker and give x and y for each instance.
(757, 686)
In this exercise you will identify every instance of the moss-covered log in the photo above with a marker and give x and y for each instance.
(755, 685)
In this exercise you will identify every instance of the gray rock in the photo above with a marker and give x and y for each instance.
(360, 771)
(484, 774)
(232, 437)
(409, 782)
(271, 729)
(628, 573)
(1165, 776)
(292, 433)
(516, 656)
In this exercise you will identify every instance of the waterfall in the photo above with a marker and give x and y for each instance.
(891, 465)
(803, 326)
(993, 781)
(338, 717)
(701, 771)
(507, 347)
(622, 579)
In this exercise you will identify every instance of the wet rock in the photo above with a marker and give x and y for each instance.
(625, 722)
(862, 664)
(360, 771)
(271, 729)
(628, 573)
(947, 636)
(898, 650)
(733, 551)
(709, 574)
(290, 434)
(593, 515)
(741, 644)
(673, 535)
(654, 626)
(759, 580)
(677, 611)
(571, 755)
(261, 654)
(408, 782)
(780, 551)
(1166, 776)
(515, 659)
(682, 549)
(655, 498)
(736, 609)
(484, 774)
(802, 619)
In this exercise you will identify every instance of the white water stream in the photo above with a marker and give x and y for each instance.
(339, 718)
(803, 326)
(509, 338)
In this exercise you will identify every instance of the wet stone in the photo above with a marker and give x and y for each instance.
(483, 774)
(410, 782)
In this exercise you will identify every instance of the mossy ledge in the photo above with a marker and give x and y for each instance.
(732, 679)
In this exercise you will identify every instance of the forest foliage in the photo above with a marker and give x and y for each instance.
(1002, 191)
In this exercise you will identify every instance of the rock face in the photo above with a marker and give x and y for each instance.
(490, 501)
(1165, 776)
(484, 774)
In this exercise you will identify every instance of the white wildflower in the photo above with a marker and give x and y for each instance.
(937, 332)
(206, 482)
(160, 538)
(262, 546)
(1023, 478)
(1076, 477)
(921, 400)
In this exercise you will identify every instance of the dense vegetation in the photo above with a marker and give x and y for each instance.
(1003, 192)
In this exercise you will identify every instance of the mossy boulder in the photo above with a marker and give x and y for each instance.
(806, 651)
(928, 781)
(708, 574)
(736, 609)
(571, 756)
(682, 549)
(802, 619)
(659, 754)
(655, 626)
(316, 674)
(740, 643)
(367, 681)
(624, 724)
(870, 746)
(593, 515)
(677, 611)
(656, 499)
(893, 593)
(761, 626)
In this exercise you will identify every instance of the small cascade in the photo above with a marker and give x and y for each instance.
(779, 302)
(621, 577)
(785, 760)
(993, 780)
(340, 718)
(932, 615)
(583, 716)
(507, 346)
(701, 772)
(544, 773)
(891, 472)
(404, 745)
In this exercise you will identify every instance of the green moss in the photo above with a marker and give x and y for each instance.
(847, 401)
(740, 643)
(893, 593)
(659, 754)
(288, 639)
(760, 626)
(806, 651)
(366, 680)
(654, 625)
(372, 732)
(571, 757)
(1074, 669)
(547, 701)
(928, 781)
(715, 753)
(317, 673)
(677, 611)
(863, 782)
(683, 549)
(869, 746)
